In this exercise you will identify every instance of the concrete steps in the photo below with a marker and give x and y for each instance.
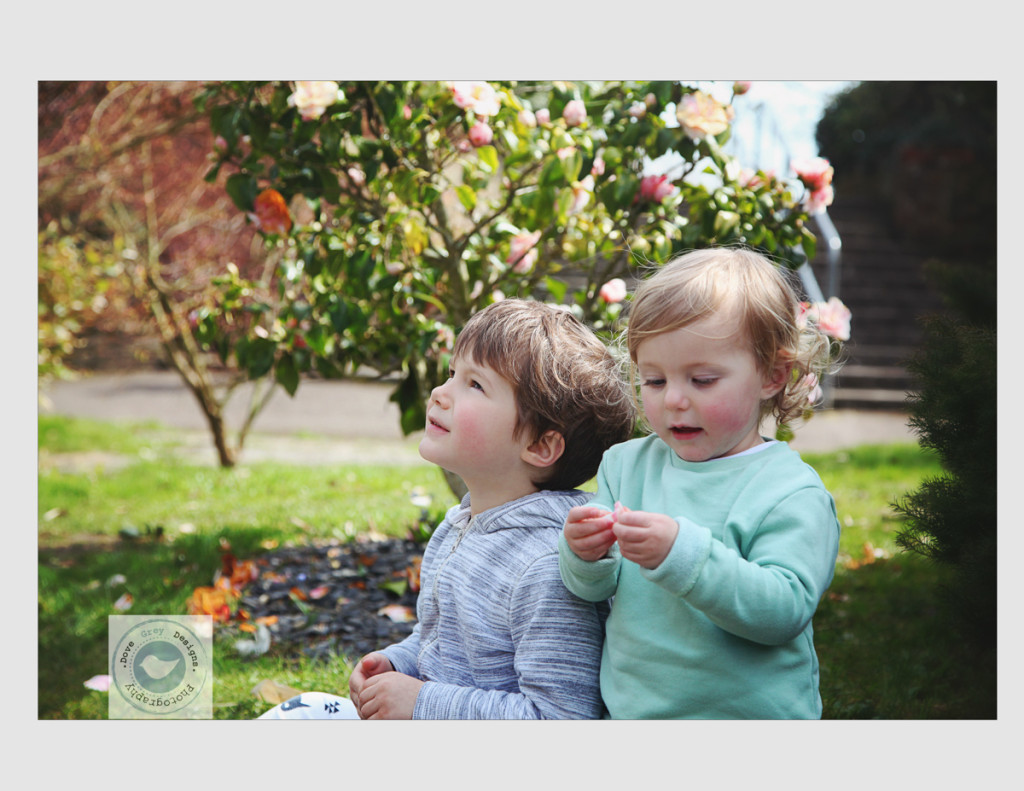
(882, 283)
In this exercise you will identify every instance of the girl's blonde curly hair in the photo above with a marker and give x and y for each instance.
(764, 300)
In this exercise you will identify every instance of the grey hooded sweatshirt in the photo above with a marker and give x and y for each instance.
(498, 634)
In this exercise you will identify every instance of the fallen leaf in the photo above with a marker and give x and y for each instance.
(398, 587)
(255, 647)
(210, 601)
(413, 574)
(116, 579)
(274, 691)
(54, 513)
(398, 613)
(267, 620)
(319, 592)
(124, 602)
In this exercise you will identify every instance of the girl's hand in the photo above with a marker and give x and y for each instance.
(645, 538)
(588, 532)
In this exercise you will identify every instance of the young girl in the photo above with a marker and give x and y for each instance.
(716, 543)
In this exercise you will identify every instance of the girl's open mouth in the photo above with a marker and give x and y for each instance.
(684, 432)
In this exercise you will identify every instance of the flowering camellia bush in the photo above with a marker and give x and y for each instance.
(397, 210)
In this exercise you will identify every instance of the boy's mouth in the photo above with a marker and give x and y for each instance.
(433, 424)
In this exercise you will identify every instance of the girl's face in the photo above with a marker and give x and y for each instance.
(701, 389)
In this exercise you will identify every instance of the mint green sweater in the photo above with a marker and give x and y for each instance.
(722, 628)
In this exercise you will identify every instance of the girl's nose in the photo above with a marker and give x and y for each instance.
(677, 398)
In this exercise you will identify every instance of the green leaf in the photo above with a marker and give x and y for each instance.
(467, 196)
(242, 189)
(287, 374)
(488, 158)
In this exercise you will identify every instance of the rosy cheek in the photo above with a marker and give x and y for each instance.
(726, 415)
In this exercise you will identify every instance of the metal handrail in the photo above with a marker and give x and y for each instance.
(768, 128)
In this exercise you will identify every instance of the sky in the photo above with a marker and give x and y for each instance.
(792, 107)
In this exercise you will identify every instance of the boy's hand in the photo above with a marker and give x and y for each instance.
(389, 696)
(645, 538)
(588, 532)
(370, 665)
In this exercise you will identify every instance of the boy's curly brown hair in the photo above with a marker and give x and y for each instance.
(563, 377)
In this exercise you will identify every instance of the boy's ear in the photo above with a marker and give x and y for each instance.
(546, 450)
(777, 378)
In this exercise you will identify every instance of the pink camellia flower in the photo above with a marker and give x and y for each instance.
(481, 134)
(479, 97)
(523, 251)
(543, 116)
(581, 194)
(312, 97)
(597, 169)
(638, 110)
(575, 113)
(832, 318)
(816, 201)
(814, 391)
(802, 313)
(701, 115)
(752, 179)
(815, 173)
(527, 118)
(567, 151)
(613, 291)
(655, 189)
(740, 87)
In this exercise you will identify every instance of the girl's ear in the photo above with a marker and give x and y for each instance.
(545, 451)
(777, 378)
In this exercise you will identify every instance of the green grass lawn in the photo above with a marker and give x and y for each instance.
(884, 648)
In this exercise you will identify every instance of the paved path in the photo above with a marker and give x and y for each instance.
(336, 422)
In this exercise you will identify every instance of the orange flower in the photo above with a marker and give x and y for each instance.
(271, 213)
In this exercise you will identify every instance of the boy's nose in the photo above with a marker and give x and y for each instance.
(439, 396)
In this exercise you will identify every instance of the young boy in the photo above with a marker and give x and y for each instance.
(533, 401)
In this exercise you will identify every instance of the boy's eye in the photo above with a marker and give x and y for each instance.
(475, 385)
(704, 382)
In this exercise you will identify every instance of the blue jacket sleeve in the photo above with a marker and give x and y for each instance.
(558, 639)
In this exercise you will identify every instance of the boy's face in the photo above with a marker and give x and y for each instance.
(701, 389)
(470, 420)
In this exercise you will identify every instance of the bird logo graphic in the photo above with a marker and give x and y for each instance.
(157, 668)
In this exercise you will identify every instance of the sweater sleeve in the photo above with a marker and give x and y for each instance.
(592, 580)
(557, 638)
(403, 655)
(768, 594)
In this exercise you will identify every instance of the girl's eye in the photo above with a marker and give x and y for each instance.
(653, 382)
